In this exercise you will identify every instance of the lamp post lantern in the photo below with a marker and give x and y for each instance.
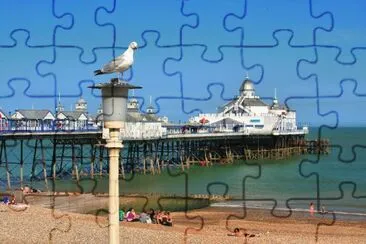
(114, 100)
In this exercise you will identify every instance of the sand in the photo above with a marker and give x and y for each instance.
(39, 224)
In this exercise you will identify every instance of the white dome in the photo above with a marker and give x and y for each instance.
(247, 85)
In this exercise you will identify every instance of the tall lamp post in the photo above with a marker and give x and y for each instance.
(114, 100)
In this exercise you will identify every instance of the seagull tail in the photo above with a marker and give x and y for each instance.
(98, 72)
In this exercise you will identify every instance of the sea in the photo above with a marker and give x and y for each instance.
(336, 181)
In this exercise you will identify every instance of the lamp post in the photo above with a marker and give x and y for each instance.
(114, 100)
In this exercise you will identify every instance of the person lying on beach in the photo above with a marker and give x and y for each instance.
(166, 219)
(237, 232)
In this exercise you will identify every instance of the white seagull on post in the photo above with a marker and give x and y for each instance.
(119, 64)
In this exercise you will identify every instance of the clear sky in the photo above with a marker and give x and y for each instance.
(193, 54)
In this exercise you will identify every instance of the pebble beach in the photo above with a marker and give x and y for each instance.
(35, 223)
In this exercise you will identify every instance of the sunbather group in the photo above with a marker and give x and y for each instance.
(150, 217)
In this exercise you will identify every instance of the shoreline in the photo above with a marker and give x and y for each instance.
(204, 225)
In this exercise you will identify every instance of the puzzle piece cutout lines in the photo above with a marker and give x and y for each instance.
(73, 77)
(149, 71)
(210, 24)
(228, 72)
(250, 200)
(282, 74)
(39, 86)
(85, 33)
(36, 18)
(159, 16)
(348, 102)
(348, 19)
(328, 82)
(275, 16)
(351, 153)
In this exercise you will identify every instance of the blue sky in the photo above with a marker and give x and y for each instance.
(193, 55)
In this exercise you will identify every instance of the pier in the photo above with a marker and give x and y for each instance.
(42, 155)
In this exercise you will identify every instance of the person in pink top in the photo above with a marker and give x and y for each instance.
(311, 209)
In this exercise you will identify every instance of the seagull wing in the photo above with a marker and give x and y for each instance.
(112, 65)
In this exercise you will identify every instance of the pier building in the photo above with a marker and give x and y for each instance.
(249, 114)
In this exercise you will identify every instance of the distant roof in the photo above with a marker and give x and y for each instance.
(73, 115)
(33, 113)
(4, 114)
(253, 102)
(139, 117)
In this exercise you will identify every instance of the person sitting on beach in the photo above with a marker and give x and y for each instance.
(6, 200)
(166, 219)
(121, 214)
(145, 218)
(158, 216)
(12, 201)
(26, 190)
(131, 216)
(152, 216)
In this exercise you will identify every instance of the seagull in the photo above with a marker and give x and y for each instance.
(119, 64)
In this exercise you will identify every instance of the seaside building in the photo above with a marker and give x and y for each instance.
(3, 120)
(32, 119)
(248, 113)
(142, 125)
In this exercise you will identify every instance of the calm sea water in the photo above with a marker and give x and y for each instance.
(337, 180)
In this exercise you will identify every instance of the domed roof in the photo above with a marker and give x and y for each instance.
(247, 85)
(81, 101)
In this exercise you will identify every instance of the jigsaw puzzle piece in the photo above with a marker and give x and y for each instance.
(309, 105)
(85, 32)
(210, 24)
(73, 77)
(149, 71)
(22, 65)
(325, 169)
(162, 17)
(348, 19)
(228, 72)
(281, 74)
(284, 15)
(345, 106)
(328, 82)
(36, 18)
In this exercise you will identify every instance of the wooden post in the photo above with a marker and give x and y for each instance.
(54, 160)
(21, 162)
(74, 161)
(101, 151)
(93, 151)
(34, 159)
(7, 165)
(43, 164)
(152, 165)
